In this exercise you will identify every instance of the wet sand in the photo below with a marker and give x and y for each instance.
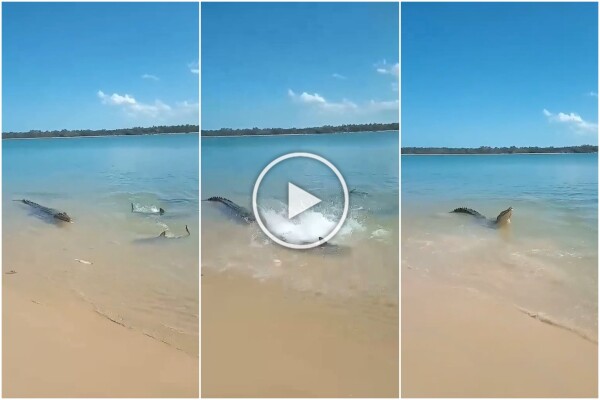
(261, 339)
(54, 346)
(459, 343)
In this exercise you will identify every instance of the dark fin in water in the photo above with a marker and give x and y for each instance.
(163, 234)
(161, 211)
(469, 211)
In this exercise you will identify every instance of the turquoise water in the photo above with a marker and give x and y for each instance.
(369, 237)
(546, 261)
(147, 285)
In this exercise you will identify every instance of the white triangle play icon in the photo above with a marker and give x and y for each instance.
(299, 200)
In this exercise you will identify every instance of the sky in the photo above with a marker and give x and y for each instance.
(99, 65)
(489, 74)
(298, 64)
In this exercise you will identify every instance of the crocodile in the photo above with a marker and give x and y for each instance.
(249, 218)
(60, 215)
(238, 210)
(501, 220)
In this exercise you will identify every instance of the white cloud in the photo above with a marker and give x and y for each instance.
(573, 120)
(388, 69)
(155, 111)
(346, 106)
(150, 77)
(320, 103)
(194, 68)
(115, 99)
(383, 105)
(338, 76)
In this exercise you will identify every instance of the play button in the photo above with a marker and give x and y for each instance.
(299, 200)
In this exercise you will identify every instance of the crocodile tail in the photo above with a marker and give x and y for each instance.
(469, 211)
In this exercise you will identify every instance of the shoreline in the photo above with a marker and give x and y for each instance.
(48, 340)
(468, 340)
(297, 134)
(101, 136)
(497, 154)
(264, 339)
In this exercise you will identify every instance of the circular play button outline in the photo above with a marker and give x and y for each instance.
(280, 159)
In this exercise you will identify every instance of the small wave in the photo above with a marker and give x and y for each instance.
(177, 201)
(145, 209)
(551, 321)
(308, 226)
(380, 234)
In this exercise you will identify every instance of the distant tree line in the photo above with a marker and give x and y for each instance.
(154, 130)
(300, 131)
(499, 150)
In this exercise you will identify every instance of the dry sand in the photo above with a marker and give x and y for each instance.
(54, 346)
(263, 340)
(459, 343)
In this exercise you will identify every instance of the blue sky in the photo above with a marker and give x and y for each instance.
(99, 65)
(494, 74)
(299, 64)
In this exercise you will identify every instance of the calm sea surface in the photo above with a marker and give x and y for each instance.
(149, 285)
(546, 261)
(365, 262)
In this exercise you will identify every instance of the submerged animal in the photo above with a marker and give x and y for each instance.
(326, 248)
(501, 220)
(359, 192)
(238, 210)
(164, 234)
(63, 216)
(144, 211)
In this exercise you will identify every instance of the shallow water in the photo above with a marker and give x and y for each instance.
(147, 284)
(363, 258)
(545, 261)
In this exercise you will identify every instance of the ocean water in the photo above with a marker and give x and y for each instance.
(363, 263)
(545, 262)
(145, 284)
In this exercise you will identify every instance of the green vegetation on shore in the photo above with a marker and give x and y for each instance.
(302, 131)
(499, 150)
(154, 130)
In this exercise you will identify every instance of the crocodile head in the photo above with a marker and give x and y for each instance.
(63, 216)
(504, 217)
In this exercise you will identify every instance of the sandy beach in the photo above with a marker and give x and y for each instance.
(55, 346)
(261, 339)
(458, 342)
